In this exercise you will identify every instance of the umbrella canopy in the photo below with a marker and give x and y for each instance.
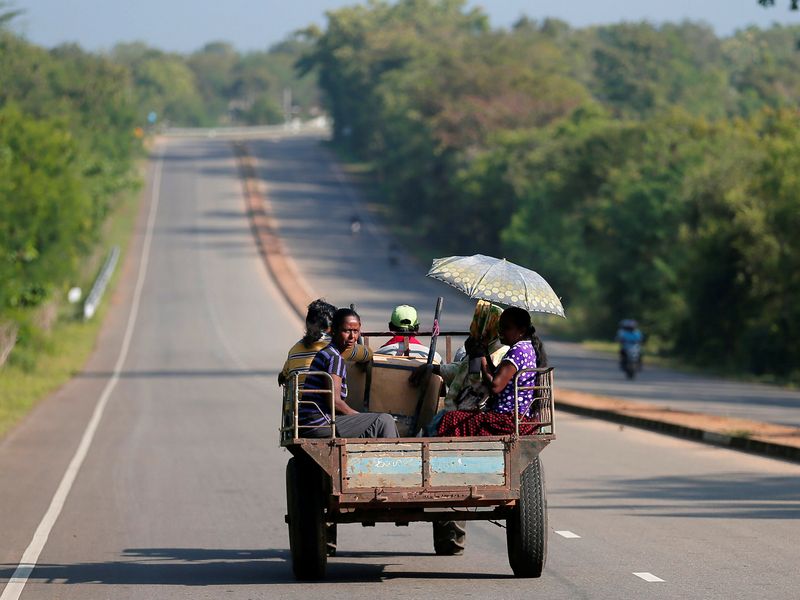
(497, 280)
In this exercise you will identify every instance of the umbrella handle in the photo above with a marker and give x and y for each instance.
(435, 331)
(423, 385)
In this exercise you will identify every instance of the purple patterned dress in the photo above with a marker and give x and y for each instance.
(522, 356)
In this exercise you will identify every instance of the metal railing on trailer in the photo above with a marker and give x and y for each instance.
(540, 414)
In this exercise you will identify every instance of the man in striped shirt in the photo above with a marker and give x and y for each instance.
(315, 419)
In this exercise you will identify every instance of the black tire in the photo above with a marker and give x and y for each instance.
(449, 537)
(307, 536)
(526, 528)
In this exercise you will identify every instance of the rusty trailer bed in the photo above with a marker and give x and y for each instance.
(369, 476)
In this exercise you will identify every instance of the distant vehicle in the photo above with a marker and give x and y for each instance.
(631, 360)
(355, 225)
(630, 340)
(393, 254)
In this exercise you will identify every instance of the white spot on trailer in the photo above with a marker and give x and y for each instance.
(568, 534)
(649, 577)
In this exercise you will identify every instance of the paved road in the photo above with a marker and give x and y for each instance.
(314, 205)
(181, 493)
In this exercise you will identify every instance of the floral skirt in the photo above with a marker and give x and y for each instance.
(465, 423)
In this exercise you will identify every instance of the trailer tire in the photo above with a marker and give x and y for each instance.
(526, 528)
(449, 537)
(306, 518)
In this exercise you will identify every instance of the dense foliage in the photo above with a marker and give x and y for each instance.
(217, 85)
(645, 171)
(66, 144)
(71, 124)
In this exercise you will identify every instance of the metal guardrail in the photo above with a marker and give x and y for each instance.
(8, 339)
(99, 287)
(541, 412)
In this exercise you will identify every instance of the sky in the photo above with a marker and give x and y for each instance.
(186, 25)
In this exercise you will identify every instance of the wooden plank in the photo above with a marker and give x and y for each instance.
(458, 467)
(470, 444)
(383, 471)
(388, 448)
(466, 479)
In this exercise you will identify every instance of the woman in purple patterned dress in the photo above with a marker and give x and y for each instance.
(525, 352)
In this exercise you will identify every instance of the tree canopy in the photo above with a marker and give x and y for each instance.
(646, 171)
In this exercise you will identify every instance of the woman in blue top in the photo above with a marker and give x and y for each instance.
(525, 352)
(345, 330)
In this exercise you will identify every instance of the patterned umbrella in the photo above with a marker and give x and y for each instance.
(497, 280)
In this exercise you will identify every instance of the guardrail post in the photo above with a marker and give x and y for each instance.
(99, 287)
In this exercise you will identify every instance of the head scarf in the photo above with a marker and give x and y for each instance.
(485, 324)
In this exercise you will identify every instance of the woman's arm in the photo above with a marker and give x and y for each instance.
(500, 378)
(341, 406)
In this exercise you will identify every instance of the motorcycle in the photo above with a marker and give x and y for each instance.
(630, 359)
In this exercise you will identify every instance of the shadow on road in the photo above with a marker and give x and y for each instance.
(207, 566)
(711, 496)
(171, 566)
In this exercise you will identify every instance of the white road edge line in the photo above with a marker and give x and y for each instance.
(568, 534)
(16, 584)
(649, 577)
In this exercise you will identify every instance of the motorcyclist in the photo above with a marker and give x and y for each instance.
(355, 224)
(393, 254)
(630, 339)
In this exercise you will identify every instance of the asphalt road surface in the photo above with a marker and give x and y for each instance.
(181, 495)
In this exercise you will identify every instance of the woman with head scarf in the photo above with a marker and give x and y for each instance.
(525, 351)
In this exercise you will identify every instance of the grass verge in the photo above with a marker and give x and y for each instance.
(53, 357)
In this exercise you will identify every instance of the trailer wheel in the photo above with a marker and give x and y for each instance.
(526, 528)
(307, 535)
(449, 537)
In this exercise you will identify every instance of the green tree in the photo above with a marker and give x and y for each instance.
(46, 215)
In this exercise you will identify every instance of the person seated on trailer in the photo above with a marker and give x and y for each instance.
(318, 326)
(483, 332)
(525, 351)
(345, 331)
(404, 323)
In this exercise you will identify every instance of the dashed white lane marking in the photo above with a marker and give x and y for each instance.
(29, 559)
(649, 577)
(568, 534)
